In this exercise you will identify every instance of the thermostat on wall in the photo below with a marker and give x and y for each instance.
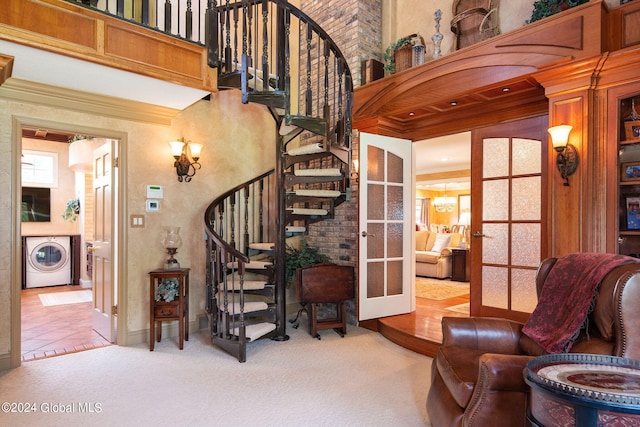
(153, 205)
(154, 192)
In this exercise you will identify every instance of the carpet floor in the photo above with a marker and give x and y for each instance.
(359, 380)
(437, 289)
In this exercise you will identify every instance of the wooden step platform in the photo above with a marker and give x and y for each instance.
(421, 330)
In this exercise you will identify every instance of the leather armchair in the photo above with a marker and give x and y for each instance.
(477, 373)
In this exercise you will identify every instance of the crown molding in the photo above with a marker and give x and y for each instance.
(52, 96)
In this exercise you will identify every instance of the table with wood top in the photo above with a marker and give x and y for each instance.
(176, 309)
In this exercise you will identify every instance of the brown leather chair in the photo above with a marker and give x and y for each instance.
(477, 373)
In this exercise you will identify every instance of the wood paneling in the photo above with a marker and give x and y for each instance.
(71, 30)
(625, 26)
(489, 82)
(566, 206)
(130, 44)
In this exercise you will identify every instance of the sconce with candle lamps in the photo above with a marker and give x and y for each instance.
(181, 150)
(567, 157)
(355, 170)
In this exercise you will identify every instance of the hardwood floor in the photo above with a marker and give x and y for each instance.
(55, 330)
(421, 330)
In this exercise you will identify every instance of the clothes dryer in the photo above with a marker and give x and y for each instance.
(48, 261)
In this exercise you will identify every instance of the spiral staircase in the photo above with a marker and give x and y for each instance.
(280, 58)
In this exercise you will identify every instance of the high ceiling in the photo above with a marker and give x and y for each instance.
(440, 155)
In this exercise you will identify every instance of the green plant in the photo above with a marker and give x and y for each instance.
(544, 8)
(78, 138)
(306, 256)
(388, 56)
(72, 210)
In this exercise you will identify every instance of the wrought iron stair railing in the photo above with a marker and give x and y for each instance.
(278, 57)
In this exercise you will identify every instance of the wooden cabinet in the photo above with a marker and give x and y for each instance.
(168, 301)
(629, 177)
(460, 265)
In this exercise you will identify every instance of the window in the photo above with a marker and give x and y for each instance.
(39, 169)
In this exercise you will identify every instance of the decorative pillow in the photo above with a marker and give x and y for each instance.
(442, 241)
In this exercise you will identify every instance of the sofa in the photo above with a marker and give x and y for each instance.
(477, 374)
(433, 253)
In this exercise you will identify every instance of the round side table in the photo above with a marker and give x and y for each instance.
(583, 390)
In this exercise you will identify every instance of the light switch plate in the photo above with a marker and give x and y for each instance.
(153, 205)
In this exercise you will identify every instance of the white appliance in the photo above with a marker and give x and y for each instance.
(48, 261)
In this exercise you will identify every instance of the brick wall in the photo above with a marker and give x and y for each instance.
(356, 27)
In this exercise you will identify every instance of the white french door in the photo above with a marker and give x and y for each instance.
(387, 206)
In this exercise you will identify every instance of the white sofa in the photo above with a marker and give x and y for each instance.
(433, 253)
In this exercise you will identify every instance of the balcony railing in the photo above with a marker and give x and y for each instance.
(179, 18)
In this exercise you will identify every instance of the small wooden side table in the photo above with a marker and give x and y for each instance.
(460, 265)
(178, 309)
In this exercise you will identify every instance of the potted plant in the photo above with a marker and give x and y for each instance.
(389, 54)
(72, 210)
(306, 256)
(544, 8)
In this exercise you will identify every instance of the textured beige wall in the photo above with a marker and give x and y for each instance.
(238, 144)
(64, 192)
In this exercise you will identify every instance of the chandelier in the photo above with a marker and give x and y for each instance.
(444, 204)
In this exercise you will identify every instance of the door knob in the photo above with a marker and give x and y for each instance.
(365, 234)
(478, 234)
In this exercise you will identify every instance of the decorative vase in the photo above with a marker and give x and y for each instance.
(171, 241)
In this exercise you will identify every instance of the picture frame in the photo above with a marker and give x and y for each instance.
(632, 129)
(630, 171)
(632, 207)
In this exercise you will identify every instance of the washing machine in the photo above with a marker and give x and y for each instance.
(48, 261)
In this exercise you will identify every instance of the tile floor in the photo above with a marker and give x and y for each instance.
(55, 330)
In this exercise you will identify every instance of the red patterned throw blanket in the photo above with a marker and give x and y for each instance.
(566, 298)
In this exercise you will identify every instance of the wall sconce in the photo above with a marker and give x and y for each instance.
(354, 170)
(180, 150)
(567, 158)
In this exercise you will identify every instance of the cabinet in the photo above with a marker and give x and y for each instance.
(174, 284)
(629, 177)
(460, 265)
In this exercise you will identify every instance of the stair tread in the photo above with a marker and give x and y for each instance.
(318, 172)
(254, 265)
(262, 246)
(316, 193)
(307, 211)
(249, 306)
(306, 149)
(295, 229)
(248, 285)
(255, 331)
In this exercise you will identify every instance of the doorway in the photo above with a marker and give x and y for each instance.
(56, 316)
(443, 187)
